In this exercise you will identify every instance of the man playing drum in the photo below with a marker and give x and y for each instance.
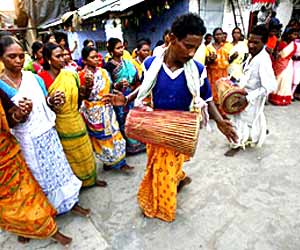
(175, 82)
(258, 80)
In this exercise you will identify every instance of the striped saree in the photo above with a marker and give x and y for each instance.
(72, 129)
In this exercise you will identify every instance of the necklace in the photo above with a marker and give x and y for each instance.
(14, 84)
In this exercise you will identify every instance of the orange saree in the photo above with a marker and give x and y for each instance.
(218, 68)
(158, 190)
(24, 209)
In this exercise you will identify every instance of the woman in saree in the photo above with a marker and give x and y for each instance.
(125, 79)
(69, 123)
(103, 128)
(25, 210)
(217, 60)
(37, 136)
(142, 52)
(240, 52)
(35, 65)
(283, 69)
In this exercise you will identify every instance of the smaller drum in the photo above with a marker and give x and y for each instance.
(177, 130)
(228, 94)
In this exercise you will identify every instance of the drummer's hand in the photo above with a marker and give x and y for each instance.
(227, 129)
(241, 102)
(116, 98)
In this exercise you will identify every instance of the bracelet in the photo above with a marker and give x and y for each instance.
(15, 119)
(48, 101)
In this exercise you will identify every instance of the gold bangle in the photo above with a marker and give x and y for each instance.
(15, 119)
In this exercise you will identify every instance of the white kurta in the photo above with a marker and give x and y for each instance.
(258, 80)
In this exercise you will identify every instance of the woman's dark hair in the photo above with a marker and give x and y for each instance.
(260, 30)
(236, 28)
(47, 53)
(35, 47)
(207, 35)
(47, 37)
(188, 24)
(86, 51)
(217, 29)
(141, 44)
(59, 36)
(111, 44)
(6, 41)
(288, 31)
(87, 41)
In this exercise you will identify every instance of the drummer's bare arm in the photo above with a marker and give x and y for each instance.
(133, 95)
(224, 126)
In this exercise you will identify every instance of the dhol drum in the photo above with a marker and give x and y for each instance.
(228, 94)
(177, 130)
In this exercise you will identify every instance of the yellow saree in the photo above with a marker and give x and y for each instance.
(72, 129)
(24, 209)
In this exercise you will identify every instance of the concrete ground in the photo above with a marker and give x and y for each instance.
(249, 202)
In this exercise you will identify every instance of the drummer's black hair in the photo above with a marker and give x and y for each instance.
(260, 30)
(188, 24)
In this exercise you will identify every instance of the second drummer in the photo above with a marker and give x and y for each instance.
(258, 80)
(171, 77)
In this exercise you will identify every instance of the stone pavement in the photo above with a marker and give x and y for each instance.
(249, 202)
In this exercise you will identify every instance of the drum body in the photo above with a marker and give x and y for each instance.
(228, 94)
(177, 130)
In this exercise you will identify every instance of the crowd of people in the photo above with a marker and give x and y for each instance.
(59, 115)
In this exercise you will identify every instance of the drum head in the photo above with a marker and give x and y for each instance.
(230, 98)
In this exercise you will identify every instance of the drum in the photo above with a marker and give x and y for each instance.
(177, 130)
(228, 94)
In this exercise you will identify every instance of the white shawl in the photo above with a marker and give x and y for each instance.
(193, 82)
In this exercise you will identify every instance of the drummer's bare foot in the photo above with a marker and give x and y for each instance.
(62, 239)
(186, 181)
(85, 212)
(23, 240)
(100, 183)
(126, 168)
(232, 152)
